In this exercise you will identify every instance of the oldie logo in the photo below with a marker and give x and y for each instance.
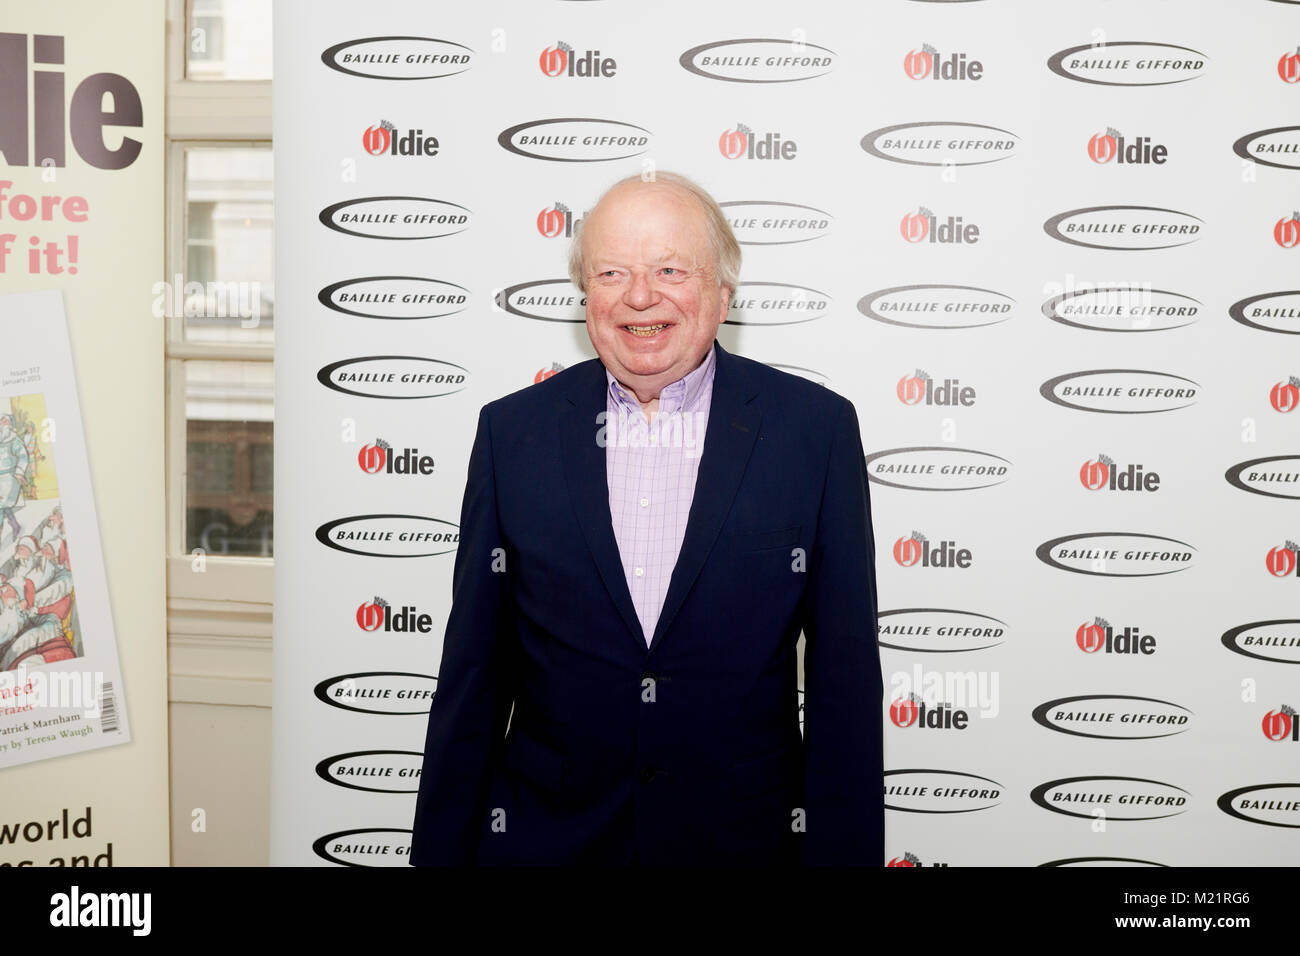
(911, 711)
(376, 771)
(1116, 554)
(940, 791)
(924, 226)
(937, 306)
(1284, 561)
(563, 60)
(1120, 391)
(368, 846)
(757, 60)
(1099, 637)
(396, 217)
(386, 139)
(1120, 308)
(1278, 147)
(381, 458)
(378, 692)
(390, 535)
(1128, 228)
(575, 140)
(393, 376)
(741, 142)
(1275, 641)
(937, 468)
(1112, 147)
(1114, 717)
(399, 58)
(1128, 63)
(1270, 804)
(928, 63)
(1269, 312)
(917, 551)
(1104, 474)
(1274, 477)
(941, 143)
(1115, 798)
(762, 223)
(395, 297)
(378, 616)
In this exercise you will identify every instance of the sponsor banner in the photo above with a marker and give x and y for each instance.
(1031, 266)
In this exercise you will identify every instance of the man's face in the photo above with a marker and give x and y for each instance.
(653, 300)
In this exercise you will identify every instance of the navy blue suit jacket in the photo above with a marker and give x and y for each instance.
(687, 752)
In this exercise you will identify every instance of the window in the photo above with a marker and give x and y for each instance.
(218, 299)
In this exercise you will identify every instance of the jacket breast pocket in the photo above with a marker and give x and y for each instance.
(780, 538)
(534, 762)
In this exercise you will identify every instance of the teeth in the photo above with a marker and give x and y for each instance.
(646, 330)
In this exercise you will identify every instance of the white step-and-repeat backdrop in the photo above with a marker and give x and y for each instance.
(1051, 252)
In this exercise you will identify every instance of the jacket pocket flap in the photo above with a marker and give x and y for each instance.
(764, 540)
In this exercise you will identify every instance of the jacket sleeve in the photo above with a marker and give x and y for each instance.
(475, 693)
(843, 751)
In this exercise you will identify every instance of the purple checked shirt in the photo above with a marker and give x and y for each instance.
(651, 471)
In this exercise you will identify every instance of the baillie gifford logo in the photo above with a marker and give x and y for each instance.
(1282, 562)
(1111, 147)
(1100, 637)
(925, 226)
(1102, 474)
(563, 60)
(916, 551)
(1284, 396)
(379, 616)
(741, 142)
(912, 711)
(386, 140)
(928, 64)
(379, 458)
(1281, 724)
(920, 389)
(557, 221)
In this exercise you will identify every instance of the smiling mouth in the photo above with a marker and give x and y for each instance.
(646, 331)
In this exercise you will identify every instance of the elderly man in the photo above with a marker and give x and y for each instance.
(638, 602)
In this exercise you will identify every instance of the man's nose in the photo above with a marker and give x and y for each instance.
(640, 294)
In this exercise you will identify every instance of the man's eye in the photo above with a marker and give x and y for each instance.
(670, 270)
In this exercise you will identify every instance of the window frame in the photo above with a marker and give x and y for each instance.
(219, 619)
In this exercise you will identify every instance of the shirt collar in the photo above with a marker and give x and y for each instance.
(687, 392)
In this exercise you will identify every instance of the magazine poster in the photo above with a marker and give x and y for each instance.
(60, 685)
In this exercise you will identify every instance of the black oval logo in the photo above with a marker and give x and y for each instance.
(399, 58)
(1237, 803)
(393, 376)
(395, 297)
(399, 767)
(396, 217)
(387, 693)
(1245, 640)
(1252, 316)
(364, 847)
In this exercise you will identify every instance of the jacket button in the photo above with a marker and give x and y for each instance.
(648, 675)
(647, 774)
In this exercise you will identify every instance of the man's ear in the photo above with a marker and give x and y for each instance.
(725, 305)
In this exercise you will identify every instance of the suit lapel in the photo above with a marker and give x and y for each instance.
(734, 418)
(584, 470)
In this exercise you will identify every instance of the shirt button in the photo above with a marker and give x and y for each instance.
(645, 502)
(654, 439)
(639, 572)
